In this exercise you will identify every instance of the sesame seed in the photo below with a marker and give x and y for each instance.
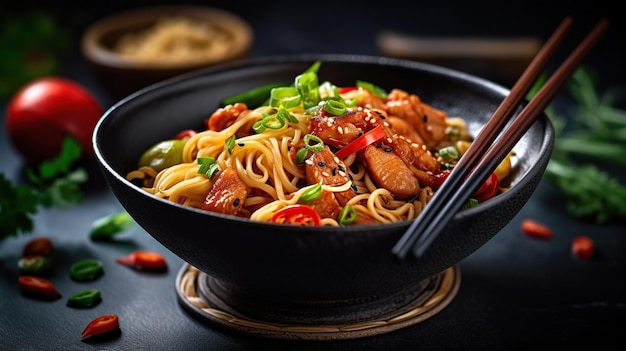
(325, 174)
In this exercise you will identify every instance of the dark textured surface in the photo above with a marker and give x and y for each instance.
(516, 293)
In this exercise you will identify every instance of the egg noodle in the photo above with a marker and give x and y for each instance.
(265, 162)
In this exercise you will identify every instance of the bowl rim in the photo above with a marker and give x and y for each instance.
(491, 205)
(95, 51)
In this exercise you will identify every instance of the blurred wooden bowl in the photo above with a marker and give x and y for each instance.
(122, 74)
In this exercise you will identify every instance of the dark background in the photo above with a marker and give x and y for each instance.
(515, 293)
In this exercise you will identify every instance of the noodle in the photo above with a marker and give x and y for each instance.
(265, 163)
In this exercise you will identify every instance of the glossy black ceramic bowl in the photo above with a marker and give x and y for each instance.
(315, 274)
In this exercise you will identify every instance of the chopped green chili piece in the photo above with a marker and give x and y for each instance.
(253, 97)
(208, 166)
(34, 265)
(311, 194)
(273, 121)
(230, 144)
(376, 90)
(105, 228)
(449, 153)
(88, 269)
(347, 215)
(85, 298)
(317, 146)
(335, 107)
(286, 97)
(471, 202)
(301, 155)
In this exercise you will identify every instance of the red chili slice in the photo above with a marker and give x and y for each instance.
(41, 246)
(361, 142)
(185, 134)
(488, 189)
(101, 325)
(344, 90)
(297, 214)
(144, 260)
(536, 229)
(583, 247)
(38, 286)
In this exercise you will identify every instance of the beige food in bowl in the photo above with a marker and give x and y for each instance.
(175, 40)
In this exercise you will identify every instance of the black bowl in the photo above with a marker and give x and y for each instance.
(273, 271)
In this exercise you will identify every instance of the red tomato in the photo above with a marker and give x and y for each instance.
(46, 111)
(297, 214)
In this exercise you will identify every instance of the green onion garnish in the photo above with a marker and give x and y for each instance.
(312, 193)
(347, 215)
(317, 146)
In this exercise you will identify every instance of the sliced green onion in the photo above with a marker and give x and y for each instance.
(273, 121)
(258, 127)
(471, 202)
(376, 90)
(286, 115)
(308, 87)
(208, 166)
(88, 269)
(230, 144)
(314, 67)
(105, 228)
(318, 143)
(301, 155)
(311, 194)
(335, 107)
(286, 97)
(449, 153)
(347, 215)
(85, 298)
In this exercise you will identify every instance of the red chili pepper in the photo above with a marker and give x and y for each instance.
(536, 229)
(101, 325)
(361, 142)
(41, 246)
(440, 178)
(344, 90)
(297, 214)
(144, 260)
(38, 286)
(583, 247)
(488, 189)
(185, 134)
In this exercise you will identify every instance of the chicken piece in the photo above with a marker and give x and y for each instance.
(389, 171)
(429, 122)
(326, 205)
(224, 117)
(403, 128)
(227, 194)
(340, 131)
(327, 169)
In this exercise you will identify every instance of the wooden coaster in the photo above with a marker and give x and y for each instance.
(441, 290)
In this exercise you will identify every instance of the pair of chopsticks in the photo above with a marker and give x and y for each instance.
(483, 156)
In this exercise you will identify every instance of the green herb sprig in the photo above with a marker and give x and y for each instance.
(596, 133)
(55, 183)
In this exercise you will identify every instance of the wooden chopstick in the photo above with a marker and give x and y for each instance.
(475, 166)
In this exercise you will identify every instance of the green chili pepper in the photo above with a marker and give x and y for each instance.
(34, 265)
(85, 298)
(230, 144)
(163, 154)
(88, 269)
(105, 228)
(308, 86)
(347, 215)
(318, 146)
(253, 97)
(311, 194)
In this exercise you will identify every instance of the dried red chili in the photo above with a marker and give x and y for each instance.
(536, 229)
(101, 325)
(41, 246)
(583, 247)
(144, 260)
(38, 286)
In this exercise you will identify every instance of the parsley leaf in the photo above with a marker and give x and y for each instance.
(56, 183)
